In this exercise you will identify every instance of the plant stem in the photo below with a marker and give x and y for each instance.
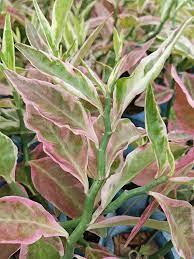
(85, 219)
(162, 251)
(134, 192)
(105, 139)
(90, 199)
(18, 103)
(163, 21)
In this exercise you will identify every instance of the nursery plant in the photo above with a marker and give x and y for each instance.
(67, 178)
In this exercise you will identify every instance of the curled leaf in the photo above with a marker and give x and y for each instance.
(157, 134)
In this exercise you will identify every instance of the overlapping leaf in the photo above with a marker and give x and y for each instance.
(8, 158)
(182, 166)
(157, 134)
(148, 69)
(65, 148)
(58, 187)
(44, 248)
(82, 52)
(72, 79)
(46, 28)
(135, 162)
(24, 221)
(180, 216)
(162, 95)
(125, 134)
(54, 103)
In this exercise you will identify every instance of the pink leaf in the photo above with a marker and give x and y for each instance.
(180, 216)
(58, 187)
(5, 90)
(148, 174)
(182, 119)
(65, 148)
(134, 57)
(24, 221)
(54, 103)
(181, 84)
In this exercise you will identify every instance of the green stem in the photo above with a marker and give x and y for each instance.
(18, 103)
(163, 21)
(163, 251)
(85, 219)
(97, 184)
(105, 139)
(134, 192)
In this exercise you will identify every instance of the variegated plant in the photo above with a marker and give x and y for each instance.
(78, 165)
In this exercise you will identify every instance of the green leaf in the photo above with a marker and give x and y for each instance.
(157, 133)
(87, 45)
(44, 248)
(118, 44)
(145, 73)
(46, 28)
(8, 50)
(8, 158)
(72, 79)
(59, 16)
(70, 37)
